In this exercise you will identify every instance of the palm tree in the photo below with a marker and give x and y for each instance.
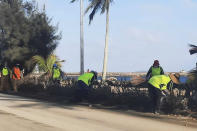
(46, 65)
(81, 37)
(102, 5)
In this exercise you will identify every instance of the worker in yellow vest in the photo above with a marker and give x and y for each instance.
(158, 86)
(56, 74)
(154, 70)
(84, 84)
(5, 79)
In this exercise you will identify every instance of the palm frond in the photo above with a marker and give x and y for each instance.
(91, 16)
(50, 61)
(104, 7)
(91, 5)
(41, 62)
(72, 1)
(193, 49)
(96, 5)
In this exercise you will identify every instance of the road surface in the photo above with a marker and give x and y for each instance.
(23, 114)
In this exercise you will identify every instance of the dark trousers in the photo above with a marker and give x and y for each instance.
(5, 83)
(156, 98)
(56, 81)
(82, 91)
(15, 84)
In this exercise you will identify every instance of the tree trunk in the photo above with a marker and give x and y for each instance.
(81, 39)
(106, 47)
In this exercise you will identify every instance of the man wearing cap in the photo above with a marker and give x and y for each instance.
(158, 86)
(84, 84)
(154, 70)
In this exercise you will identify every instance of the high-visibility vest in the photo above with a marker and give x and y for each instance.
(158, 80)
(5, 72)
(86, 78)
(56, 73)
(16, 73)
(156, 71)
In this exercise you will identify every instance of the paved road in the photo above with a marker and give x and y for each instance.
(22, 114)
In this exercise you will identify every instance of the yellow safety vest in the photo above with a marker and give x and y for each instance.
(158, 80)
(156, 71)
(86, 78)
(56, 73)
(5, 72)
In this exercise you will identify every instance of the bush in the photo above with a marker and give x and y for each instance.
(31, 88)
(119, 95)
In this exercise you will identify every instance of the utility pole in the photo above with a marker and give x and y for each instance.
(81, 39)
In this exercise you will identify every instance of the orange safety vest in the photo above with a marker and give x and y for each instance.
(16, 73)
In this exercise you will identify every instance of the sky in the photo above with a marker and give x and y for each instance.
(141, 31)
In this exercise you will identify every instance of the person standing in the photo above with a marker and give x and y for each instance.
(154, 70)
(158, 88)
(16, 77)
(5, 78)
(56, 74)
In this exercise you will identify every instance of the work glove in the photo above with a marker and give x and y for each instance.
(161, 85)
(165, 92)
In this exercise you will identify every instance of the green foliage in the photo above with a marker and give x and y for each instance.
(46, 64)
(25, 32)
(41, 62)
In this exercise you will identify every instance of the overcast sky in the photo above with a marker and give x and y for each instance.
(140, 32)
